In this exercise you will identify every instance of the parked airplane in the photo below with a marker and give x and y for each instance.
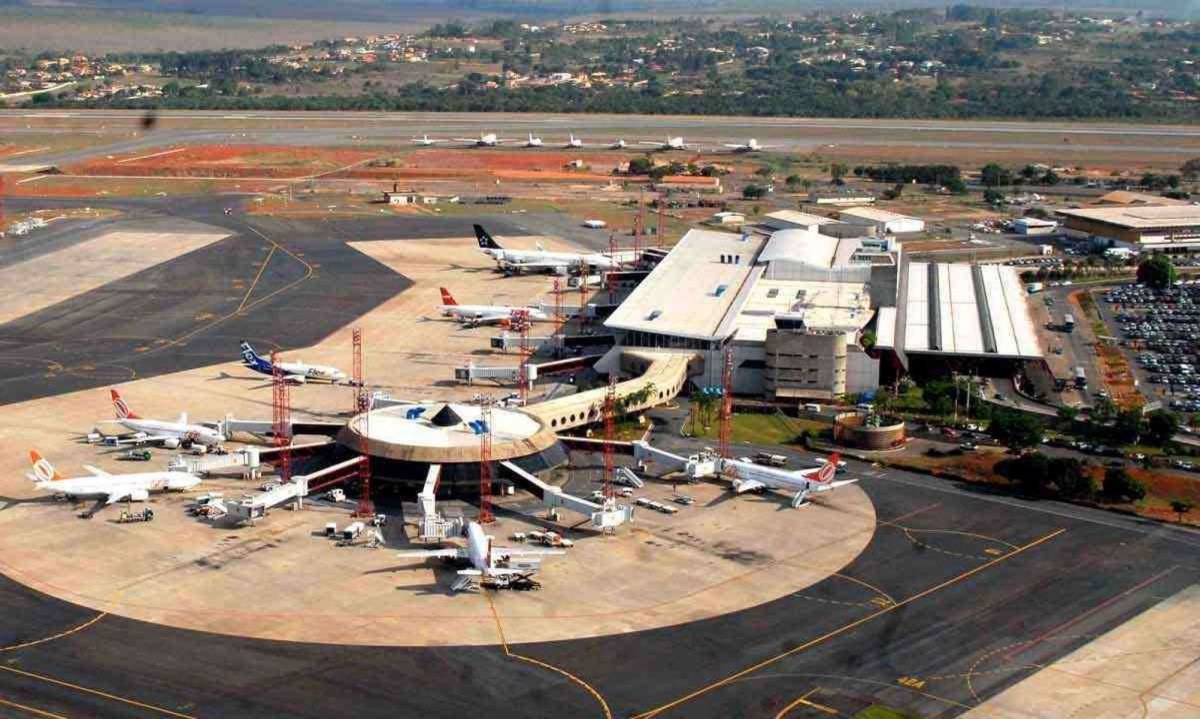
(426, 141)
(153, 431)
(494, 567)
(671, 143)
(296, 372)
(111, 488)
(475, 315)
(573, 143)
(751, 146)
(751, 477)
(533, 141)
(540, 260)
(484, 140)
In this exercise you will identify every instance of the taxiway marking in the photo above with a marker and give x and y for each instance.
(509, 653)
(257, 277)
(32, 710)
(95, 692)
(804, 700)
(60, 635)
(847, 627)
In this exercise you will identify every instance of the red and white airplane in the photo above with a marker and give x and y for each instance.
(751, 477)
(154, 431)
(475, 315)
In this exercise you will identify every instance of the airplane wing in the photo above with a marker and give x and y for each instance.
(483, 318)
(448, 553)
(525, 552)
(96, 471)
(748, 485)
(735, 146)
(133, 494)
(540, 263)
(833, 485)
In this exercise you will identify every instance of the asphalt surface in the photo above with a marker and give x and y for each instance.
(959, 594)
(186, 312)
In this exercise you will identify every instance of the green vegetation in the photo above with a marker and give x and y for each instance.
(878, 711)
(760, 429)
(1157, 271)
(1181, 507)
(1039, 476)
(1017, 430)
(1120, 486)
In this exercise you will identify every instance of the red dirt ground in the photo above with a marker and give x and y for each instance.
(227, 161)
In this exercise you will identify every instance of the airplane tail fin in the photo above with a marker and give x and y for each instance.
(447, 298)
(183, 418)
(486, 241)
(120, 407)
(539, 246)
(829, 469)
(43, 471)
(248, 353)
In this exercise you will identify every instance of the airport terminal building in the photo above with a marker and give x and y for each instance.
(810, 317)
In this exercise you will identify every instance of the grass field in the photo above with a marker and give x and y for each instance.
(759, 429)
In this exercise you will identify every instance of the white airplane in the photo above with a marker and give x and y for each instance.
(294, 372)
(751, 477)
(426, 141)
(153, 431)
(99, 484)
(484, 140)
(751, 146)
(533, 141)
(475, 315)
(671, 143)
(573, 143)
(540, 259)
(620, 144)
(496, 567)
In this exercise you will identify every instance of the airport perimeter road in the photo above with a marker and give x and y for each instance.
(958, 595)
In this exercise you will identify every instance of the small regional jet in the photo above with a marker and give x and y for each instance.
(750, 477)
(494, 567)
(540, 260)
(153, 431)
(484, 140)
(751, 146)
(671, 143)
(620, 144)
(475, 315)
(533, 141)
(573, 143)
(426, 141)
(110, 488)
(295, 372)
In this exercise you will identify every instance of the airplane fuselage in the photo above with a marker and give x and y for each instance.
(180, 430)
(546, 259)
(104, 485)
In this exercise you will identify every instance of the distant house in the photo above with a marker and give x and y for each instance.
(1127, 198)
(688, 183)
(884, 221)
(412, 198)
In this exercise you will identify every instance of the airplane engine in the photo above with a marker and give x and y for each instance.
(171, 443)
(139, 495)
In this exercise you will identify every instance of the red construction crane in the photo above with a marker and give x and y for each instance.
(662, 203)
(610, 419)
(584, 274)
(2, 225)
(281, 416)
(608, 276)
(726, 427)
(641, 224)
(485, 463)
(521, 322)
(362, 403)
(559, 320)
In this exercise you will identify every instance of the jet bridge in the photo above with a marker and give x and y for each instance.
(256, 506)
(434, 526)
(696, 466)
(605, 517)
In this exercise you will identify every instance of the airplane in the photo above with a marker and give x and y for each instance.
(539, 259)
(495, 567)
(620, 144)
(750, 477)
(533, 141)
(153, 431)
(484, 140)
(294, 372)
(751, 146)
(573, 143)
(475, 315)
(671, 143)
(110, 488)
(426, 141)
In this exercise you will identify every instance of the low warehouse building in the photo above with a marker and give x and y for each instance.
(884, 221)
(1168, 228)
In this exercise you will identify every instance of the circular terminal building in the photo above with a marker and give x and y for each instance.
(404, 440)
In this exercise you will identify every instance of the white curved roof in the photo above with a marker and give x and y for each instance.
(393, 425)
(810, 248)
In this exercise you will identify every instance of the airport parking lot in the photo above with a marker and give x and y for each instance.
(1161, 327)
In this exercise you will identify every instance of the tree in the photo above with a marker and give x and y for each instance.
(793, 181)
(1068, 413)
(956, 186)
(1157, 271)
(1030, 472)
(1181, 507)
(754, 192)
(1120, 486)
(1017, 430)
(994, 175)
(1068, 476)
(1129, 425)
(1190, 169)
(992, 196)
(641, 166)
(837, 171)
(1161, 426)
